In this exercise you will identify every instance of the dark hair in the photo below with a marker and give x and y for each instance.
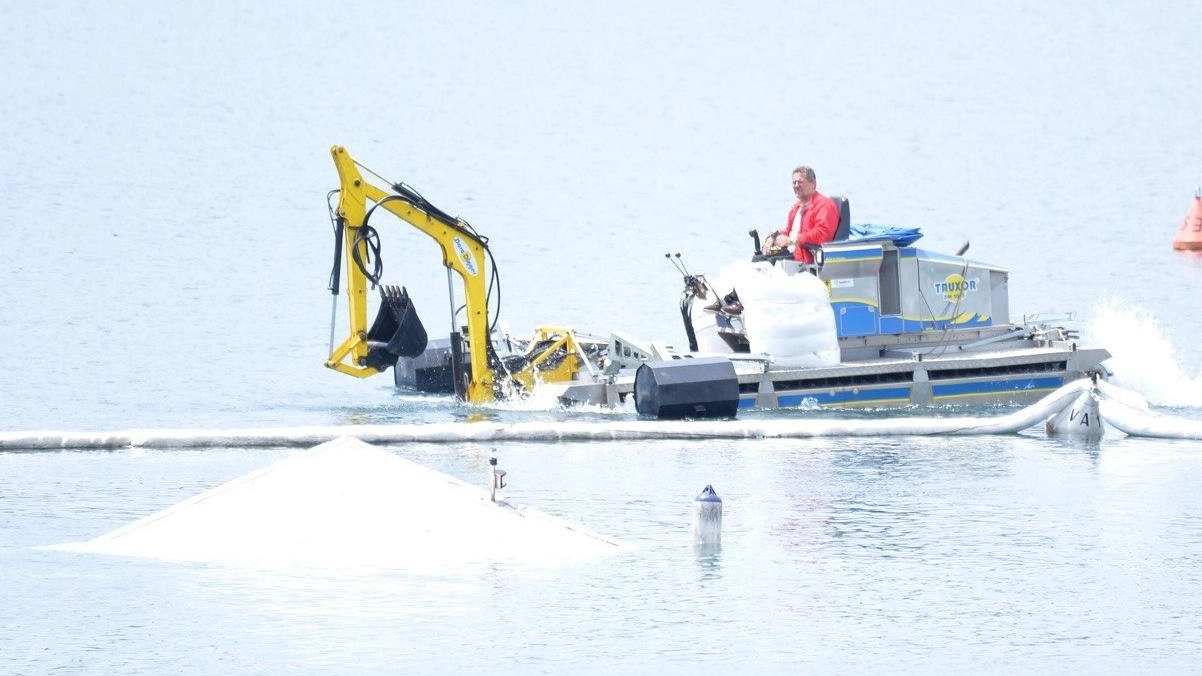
(807, 172)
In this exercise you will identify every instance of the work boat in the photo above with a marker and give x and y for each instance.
(873, 322)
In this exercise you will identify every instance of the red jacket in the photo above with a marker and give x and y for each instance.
(818, 224)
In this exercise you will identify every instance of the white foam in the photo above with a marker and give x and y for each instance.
(1142, 359)
(345, 505)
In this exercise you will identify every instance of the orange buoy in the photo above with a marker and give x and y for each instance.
(1189, 235)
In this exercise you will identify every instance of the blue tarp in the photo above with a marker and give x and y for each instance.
(871, 232)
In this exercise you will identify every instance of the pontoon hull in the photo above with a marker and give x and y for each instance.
(982, 378)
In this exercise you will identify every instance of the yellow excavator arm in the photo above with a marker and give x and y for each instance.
(462, 251)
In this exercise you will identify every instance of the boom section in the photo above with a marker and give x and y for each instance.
(462, 251)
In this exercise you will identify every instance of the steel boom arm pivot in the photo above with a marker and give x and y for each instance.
(462, 251)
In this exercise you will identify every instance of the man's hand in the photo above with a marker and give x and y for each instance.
(776, 242)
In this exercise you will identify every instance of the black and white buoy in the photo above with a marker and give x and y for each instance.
(707, 519)
(1081, 419)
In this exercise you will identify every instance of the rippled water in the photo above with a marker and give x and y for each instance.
(898, 554)
(168, 251)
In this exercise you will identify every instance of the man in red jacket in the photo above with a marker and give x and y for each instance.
(812, 219)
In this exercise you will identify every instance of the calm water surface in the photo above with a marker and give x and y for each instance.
(168, 249)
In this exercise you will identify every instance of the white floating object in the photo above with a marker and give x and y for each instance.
(1081, 419)
(620, 430)
(1125, 411)
(345, 505)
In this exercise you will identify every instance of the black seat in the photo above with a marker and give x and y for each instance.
(843, 231)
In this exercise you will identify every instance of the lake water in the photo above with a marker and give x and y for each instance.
(168, 249)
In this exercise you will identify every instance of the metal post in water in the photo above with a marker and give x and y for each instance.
(707, 519)
(496, 478)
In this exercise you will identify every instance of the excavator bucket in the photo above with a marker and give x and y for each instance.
(397, 330)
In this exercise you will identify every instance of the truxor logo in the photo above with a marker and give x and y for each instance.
(954, 287)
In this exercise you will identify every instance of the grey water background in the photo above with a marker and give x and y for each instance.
(167, 249)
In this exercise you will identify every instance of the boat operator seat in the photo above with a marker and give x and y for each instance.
(842, 232)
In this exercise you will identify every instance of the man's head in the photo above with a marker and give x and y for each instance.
(804, 182)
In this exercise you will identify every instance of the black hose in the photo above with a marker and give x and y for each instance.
(407, 193)
(367, 238)
(368, 235)
(686, 314)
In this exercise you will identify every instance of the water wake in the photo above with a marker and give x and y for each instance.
(1142, 358)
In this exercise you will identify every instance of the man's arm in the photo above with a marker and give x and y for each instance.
(787, 236)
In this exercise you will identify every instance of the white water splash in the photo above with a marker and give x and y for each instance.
(1142, 359)
(546, 398)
